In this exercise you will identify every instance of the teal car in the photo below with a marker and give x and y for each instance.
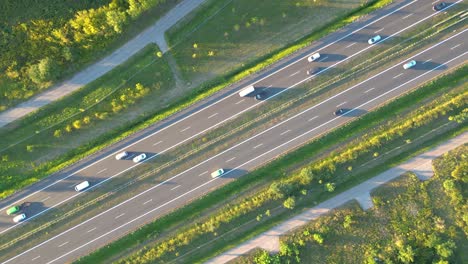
(13, 210)
(217, 173)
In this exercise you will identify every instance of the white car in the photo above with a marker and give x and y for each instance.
(139, 158)
(410, 64)
(314, 57)
(374, 39)
(19, 218)
(217, 173)
(121, 155)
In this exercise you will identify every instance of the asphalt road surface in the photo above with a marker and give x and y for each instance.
(244, 156)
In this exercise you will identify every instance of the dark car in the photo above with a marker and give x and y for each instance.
(439, 6)
(313, 71)
(339, 112)
(260, 96)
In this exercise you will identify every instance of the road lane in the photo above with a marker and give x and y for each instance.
(247, 157)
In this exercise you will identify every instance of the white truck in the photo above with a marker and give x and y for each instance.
(246, 91)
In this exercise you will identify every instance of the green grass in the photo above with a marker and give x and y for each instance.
(235, 31)
(39, 154)
(407, 212)
(11, 164)
(36, 30)
(274, 170)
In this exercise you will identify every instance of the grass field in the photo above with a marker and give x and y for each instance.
(410, 220)
(29, 155)
(48, 138)
(160, 226)
(232, 33)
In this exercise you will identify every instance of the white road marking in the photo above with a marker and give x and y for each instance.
(240, 101)
(91, 230)
(206, 160)
(203, 173)
(294, 73)
(61, 245)
(213, 115)
(347, 35)
(313, 118)
(47, 198)
(196, 112)
(231, 159)
(269, 85)
(427, 61)
(285, 132)
(159, 142)
(148, 201)
(258, 145)
(120, 215)
(175, 187)
(405, 17)
(396, 76)
(369, 90)
(351, 44)
(379, 30)
(454, 47)
(251, 160)
(185, 129)
(324, 58)
(341, 104)
(103, 170)
(35, 258)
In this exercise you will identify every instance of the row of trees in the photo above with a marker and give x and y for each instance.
(35, 53)
(318, 172)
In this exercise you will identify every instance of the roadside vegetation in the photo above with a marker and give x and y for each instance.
(70, 122)
(45, 41)
(249, 214)
(174, 161)
(411, 222)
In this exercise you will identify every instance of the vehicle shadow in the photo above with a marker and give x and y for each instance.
(32, 208)
(231, 173)
(349, 112)
(331, 57)
(429, 65)
(265, 93)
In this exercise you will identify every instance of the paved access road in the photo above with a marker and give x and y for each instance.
(242, 157)
(153, 34)
(421, 165)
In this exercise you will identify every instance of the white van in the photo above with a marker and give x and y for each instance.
(82, 186)
(246, 91)
(121, 155)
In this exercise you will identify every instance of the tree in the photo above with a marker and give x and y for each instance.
(406, 254)
(289, 203)
(116, 20)
(45, 70)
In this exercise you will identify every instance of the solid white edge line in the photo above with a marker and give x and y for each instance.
(256, 135)
(164, 128)
(227, 119)
(180, 196)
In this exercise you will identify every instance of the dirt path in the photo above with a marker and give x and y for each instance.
(153, 34)
(421, 165)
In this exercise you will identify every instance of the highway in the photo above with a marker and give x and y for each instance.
(246, 155)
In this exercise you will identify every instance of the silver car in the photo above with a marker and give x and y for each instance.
(139, 158)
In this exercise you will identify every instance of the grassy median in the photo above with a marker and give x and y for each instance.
(274, 170)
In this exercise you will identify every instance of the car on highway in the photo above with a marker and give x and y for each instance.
(247, 90)
(82, 186)
(409, 64)
(121, 155)
(13, 210)
(439, 6)
(313, 71)
(19, 218)
(217, 173)
(260, 96)
(339, 112)
(313, 57)
(139, 158)
(374, 39)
